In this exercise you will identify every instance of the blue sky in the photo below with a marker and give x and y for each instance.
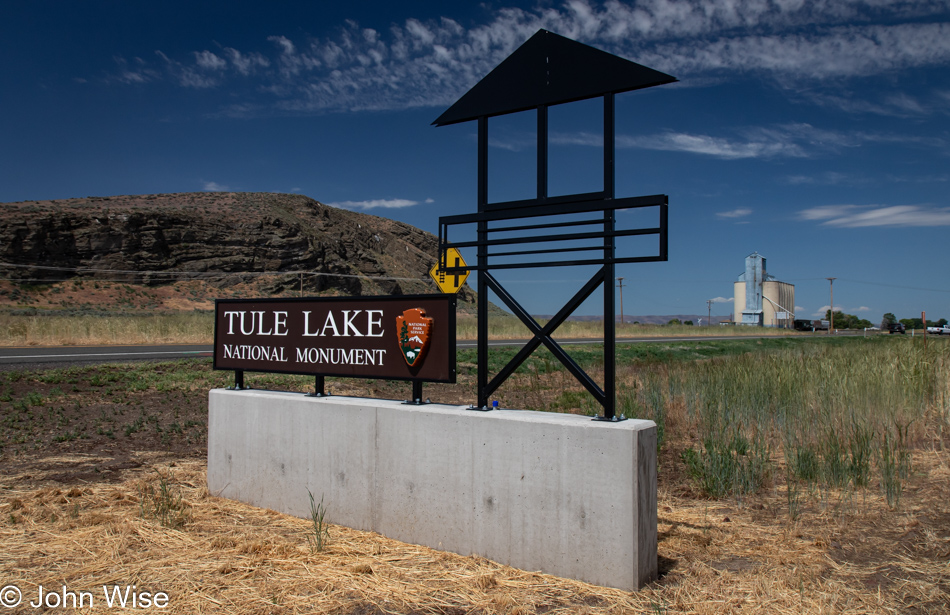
(816, 133)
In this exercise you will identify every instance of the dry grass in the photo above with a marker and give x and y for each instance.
(715, 557)
(192, 327)
(501, 327)
(90, 330)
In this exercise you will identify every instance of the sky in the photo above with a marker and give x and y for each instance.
(814, 133)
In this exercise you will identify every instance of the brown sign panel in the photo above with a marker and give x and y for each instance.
(399, 338)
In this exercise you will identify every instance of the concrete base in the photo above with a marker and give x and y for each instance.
(557, 493)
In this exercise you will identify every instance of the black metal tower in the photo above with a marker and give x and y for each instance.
(546, 70)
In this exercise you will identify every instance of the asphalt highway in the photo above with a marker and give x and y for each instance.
(59, 356)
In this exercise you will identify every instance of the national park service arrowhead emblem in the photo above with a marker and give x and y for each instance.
(415, 330)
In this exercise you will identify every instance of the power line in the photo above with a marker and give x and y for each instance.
(191, 274)
(934, 290)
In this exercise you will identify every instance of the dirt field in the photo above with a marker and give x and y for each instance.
(102, 483)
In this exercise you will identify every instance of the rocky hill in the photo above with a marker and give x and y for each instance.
(217, 239)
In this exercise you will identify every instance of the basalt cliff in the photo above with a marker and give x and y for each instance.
(220, 238)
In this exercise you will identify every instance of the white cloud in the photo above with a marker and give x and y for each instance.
(200, 75)
(735, 213)
(820, 313)
(578, 138)
(718, 147)
(513, 142)
(285, 44)
(845, 51)
(376, 204)
(779, 141)
(135, 72)
(785, 141)
(827, 212)
(208, 60)
(215, 187)
(723, 300)
(853, 216)
(430, 63)
(827, 178)
(246, 63)
(923, 179)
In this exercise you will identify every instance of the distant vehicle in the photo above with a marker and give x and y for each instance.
(944, 330)
(810, 325)
(896, 327)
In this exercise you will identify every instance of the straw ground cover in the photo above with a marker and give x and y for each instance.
(86, 511)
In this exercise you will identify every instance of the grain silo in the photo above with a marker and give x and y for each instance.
(759, 299)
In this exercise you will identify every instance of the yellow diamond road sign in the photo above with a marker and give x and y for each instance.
(450, 282)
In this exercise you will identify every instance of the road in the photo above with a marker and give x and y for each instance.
(57, 356)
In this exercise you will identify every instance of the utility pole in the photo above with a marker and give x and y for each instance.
(831, 321)
(709, 303)
(620, 281)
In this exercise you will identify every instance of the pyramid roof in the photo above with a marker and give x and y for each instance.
(549, 69)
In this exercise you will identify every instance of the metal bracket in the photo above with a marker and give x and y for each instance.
(319, 388)
(238, 381)
(416, 395)
(610, 419)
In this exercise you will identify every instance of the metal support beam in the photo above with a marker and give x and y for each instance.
(319, 387)
(482, 263)
(416, 394)
(542, 153)
(542, 335)
(610, 269)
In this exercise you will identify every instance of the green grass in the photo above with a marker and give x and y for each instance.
(841, 414)
(318, 534)
(161, 500)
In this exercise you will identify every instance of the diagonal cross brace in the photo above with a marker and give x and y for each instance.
(542, 335)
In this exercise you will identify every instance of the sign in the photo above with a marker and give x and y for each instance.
(397, 338)
(450, 282)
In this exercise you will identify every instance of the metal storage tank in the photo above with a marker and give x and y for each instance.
(761, 300)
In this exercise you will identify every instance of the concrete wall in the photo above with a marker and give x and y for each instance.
(538, 491)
